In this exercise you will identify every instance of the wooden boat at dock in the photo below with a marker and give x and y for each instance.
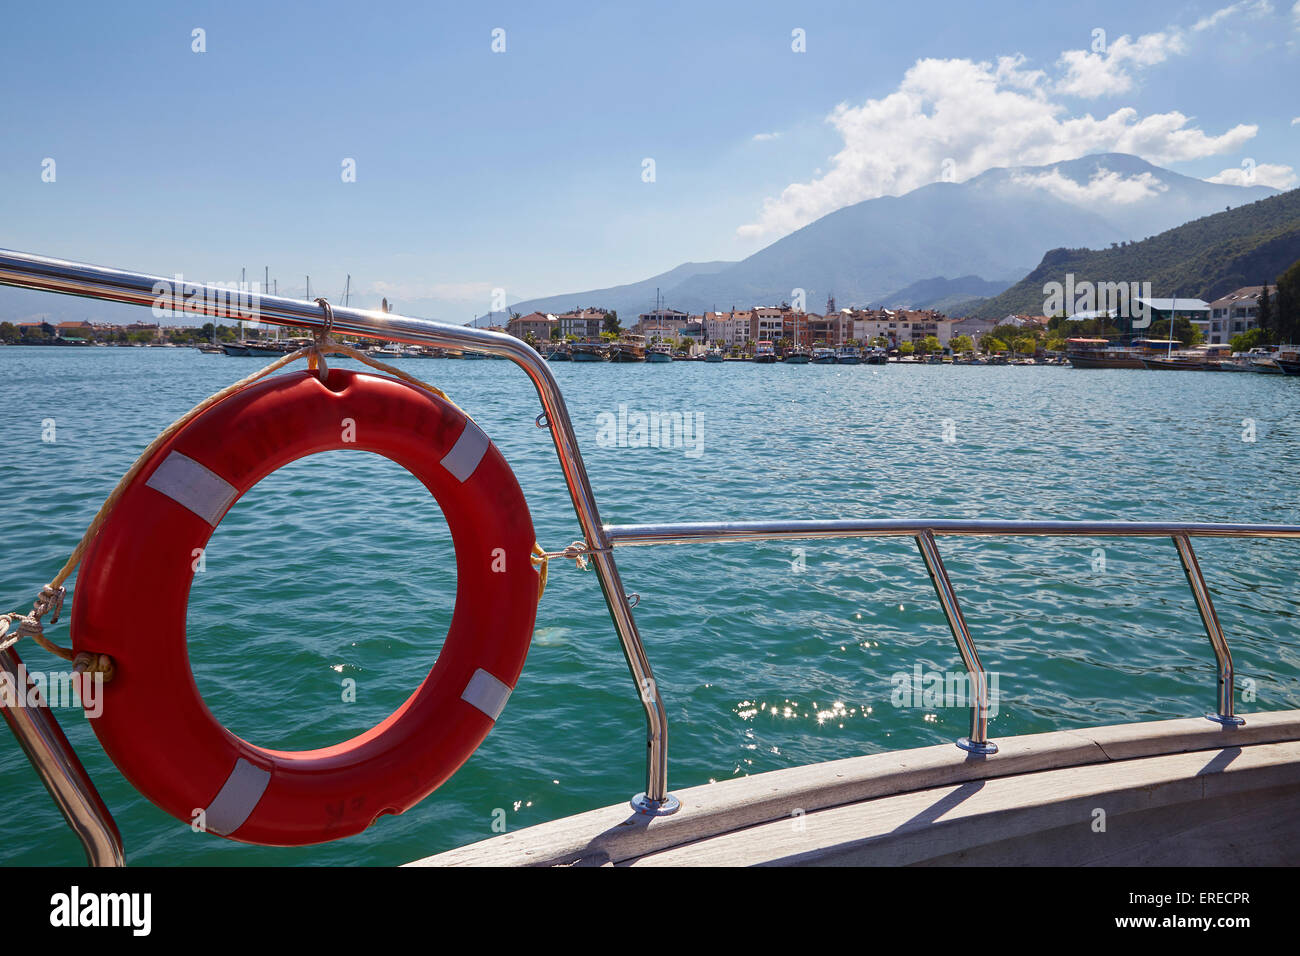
(628, 348)
(588, 352)
(1179, 365)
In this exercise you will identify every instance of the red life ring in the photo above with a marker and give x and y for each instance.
(132, 594)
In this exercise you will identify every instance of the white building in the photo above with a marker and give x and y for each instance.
(1231, 315)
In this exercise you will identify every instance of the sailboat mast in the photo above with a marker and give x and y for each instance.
(1173, 314)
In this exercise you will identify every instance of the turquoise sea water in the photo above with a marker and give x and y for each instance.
(340, 566)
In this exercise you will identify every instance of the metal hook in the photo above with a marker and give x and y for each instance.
(633, 599)
(329, 317)
(322, 370)
(541, 422)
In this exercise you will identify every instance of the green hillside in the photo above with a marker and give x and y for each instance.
(1202, 259)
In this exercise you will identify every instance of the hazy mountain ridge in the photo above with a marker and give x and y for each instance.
(995, 225)
(940, 293)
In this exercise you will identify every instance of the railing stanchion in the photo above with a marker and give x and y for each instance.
(977, 742)
(1222, 656)
(57, 765)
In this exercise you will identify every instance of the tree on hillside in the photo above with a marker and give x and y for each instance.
(612, 323)
(1264, 315)
(1287, 304)
(962, 343)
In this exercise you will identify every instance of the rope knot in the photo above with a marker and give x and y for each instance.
(30, 626)
(50, 599)
(87, 663)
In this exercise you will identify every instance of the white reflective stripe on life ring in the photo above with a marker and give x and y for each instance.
(193, 485)
(468, 451)
(486, 693)
(238, 797)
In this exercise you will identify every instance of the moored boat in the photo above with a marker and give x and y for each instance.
(628, 348)
(764, 353)
(848, 355)
(823, 356)
(659, 353)
(1178, 365)
(588, 352)
(797, 356)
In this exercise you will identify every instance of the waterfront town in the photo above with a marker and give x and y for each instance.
(773, 333)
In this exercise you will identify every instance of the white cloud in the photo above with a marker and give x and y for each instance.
(764, 137)
(966, 117)
(1296, 121)
(1107, 72)
(1105, 186)
(1264, 174)
(1253, 8)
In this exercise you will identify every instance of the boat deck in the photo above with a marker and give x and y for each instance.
(1175, 792)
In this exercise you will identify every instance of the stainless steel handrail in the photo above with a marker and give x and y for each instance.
(924, 531)
(63, 773)
(712, 532)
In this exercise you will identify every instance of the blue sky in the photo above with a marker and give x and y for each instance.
(523, 170)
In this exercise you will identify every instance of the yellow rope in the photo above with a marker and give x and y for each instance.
(541, 561)
(51, 596)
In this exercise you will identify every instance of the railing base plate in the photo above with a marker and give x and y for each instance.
(656, 808)
(1226, 721)
(985, 748)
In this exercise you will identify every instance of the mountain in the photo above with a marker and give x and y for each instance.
(940, 293)
(630, 299)
(1203, 259)
(992, 227)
